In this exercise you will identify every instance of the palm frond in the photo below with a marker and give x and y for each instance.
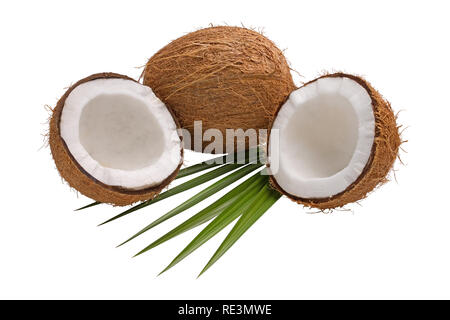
(261, 203)
(222, 220)
(206, 214)
(202, 195)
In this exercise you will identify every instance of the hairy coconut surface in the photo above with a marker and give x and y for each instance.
(226, 77)
(76, 175)
(383, 152)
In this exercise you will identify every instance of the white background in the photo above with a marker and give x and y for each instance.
(395, 245)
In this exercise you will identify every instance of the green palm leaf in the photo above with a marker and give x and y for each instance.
(202, 195)
(261, 203)
(222, 220)
(88, 206)
(206, 214)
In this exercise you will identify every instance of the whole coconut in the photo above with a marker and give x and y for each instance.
(226, 77)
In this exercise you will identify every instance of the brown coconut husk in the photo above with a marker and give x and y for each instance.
(77, 177)
(384, 152)
(227, 77)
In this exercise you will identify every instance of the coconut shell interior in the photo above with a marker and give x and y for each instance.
(384, 152)
(226, 77)
(78, 178)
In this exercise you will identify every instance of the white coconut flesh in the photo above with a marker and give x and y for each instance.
(120, 133)
(326, 131)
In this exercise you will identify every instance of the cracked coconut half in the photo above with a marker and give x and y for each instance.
(333, 141)
(114, 141)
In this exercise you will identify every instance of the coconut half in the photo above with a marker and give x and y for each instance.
(114, 141)
(333, 141)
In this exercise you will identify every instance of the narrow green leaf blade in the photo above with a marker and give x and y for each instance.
(195, 169)
(88, 206)
(222, 220)
(202, 195)
(262, 202)
(180, 188)
(187, 225)
(206, 214)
